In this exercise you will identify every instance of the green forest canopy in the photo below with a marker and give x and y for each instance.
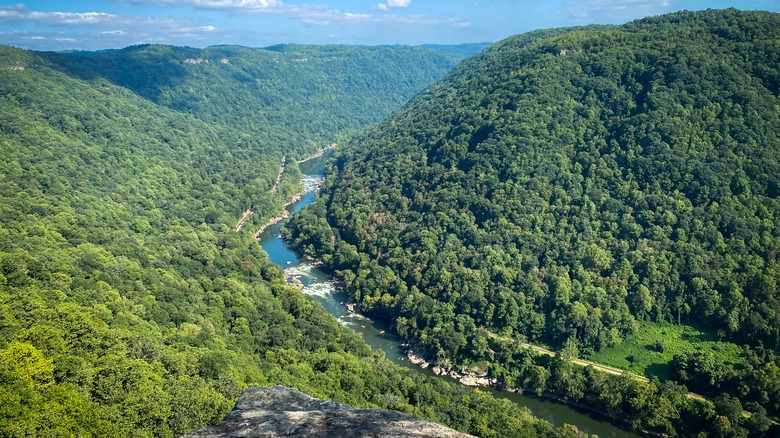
(564, 185)
(290, 98)
(128, 305)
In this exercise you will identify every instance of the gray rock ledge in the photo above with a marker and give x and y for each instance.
(279, 411)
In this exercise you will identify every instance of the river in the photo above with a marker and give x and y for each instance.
(324, 289)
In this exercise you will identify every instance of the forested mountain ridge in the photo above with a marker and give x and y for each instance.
(464, 50)
(129, 306)
(257, 94)
(564, 185)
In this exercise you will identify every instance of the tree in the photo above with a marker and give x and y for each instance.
(28, 364)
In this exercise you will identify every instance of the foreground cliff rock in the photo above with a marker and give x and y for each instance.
(279, 411)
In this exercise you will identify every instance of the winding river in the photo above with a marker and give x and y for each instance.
(323, 288)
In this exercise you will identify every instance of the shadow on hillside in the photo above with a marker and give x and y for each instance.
(660, 370)
(146, 70)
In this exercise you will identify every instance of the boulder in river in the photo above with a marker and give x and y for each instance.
(417, 359)
(468, 380)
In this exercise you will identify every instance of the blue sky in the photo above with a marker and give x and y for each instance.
(101, 24)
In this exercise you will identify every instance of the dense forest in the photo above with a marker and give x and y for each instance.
(129, 306)
(258, 95)
(566, 187)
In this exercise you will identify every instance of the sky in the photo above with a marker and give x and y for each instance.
(106, 24)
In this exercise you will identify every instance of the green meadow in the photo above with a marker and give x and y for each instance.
(649, 350)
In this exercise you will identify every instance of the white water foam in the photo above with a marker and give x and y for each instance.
(310, 182)
(304, 269)
(317, 288)
(346, 321)
(323, 289)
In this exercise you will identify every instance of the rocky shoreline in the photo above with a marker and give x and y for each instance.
(314, 184)
(482, 380)
(297, 197)
(319, 154)
(465, 378)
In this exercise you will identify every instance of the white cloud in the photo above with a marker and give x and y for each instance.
(246, 5)
(321, 15)
(330, 17)
(192, 32)
(313, 14)
(615, 10)
(9, 12)
(73, 17)
(394, 4)
(398, 3)
(19, 12)
(121, 24)
(251, 4)
(95, 30)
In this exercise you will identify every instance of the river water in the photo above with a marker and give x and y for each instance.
(323, 288)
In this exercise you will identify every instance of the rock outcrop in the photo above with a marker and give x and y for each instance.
(279, 411)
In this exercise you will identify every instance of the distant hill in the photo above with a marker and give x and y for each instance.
(291, 98)
(563, 185)
(463, 50)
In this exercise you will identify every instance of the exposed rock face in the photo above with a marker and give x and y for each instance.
(279, 411)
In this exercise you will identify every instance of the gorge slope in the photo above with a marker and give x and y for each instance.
(564, 185)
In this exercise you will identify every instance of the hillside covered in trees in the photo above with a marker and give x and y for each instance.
(291, 98)
(566, 187)
(129, 306)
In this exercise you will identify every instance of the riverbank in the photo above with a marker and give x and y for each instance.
(308, 183)
(320, 284)
(297, 197)
(481, 379)
(474, 377)
(318, 154)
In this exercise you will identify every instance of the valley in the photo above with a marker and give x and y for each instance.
(586, 219)
(129, 303)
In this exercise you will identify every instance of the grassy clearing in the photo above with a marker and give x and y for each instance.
(640, 352)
